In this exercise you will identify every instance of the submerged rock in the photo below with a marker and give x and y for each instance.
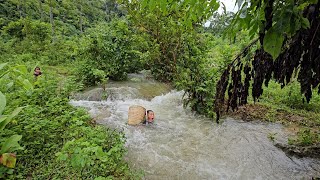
(300, 151)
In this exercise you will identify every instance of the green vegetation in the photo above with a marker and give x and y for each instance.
(287, 107)
(82, 43)
(41, 135)
(288, 49)
(58, 136)
(171, 25)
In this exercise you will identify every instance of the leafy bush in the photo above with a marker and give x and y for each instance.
(194, 76)
(29, 35)
(113, 48)
(62, 51)
(9, 143)
(290, 97)
(200, 67)
(55, 135)
(306, 137)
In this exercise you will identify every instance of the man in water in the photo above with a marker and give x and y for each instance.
(150, 117)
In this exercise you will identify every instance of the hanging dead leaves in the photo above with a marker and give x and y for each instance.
(299, 57)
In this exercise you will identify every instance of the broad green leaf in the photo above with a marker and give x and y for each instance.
(9, 85)
(303, 5)
(253, 30)
(22, 69)
(61, 156)
(11, 144)
(2, 118)
(215, 5)
(144, 4)
(272, 42)
(9, 118)
(3, 74)
(8, 160)
(296, 25)
(163, 7)
(193, 2)
(19, 80)
(27, 85)
(99, 153)
(3, 65)
(3, 102)
(152, 5)
(78, 161)
(305, 23)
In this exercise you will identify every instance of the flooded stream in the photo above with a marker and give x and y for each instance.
(182, 145)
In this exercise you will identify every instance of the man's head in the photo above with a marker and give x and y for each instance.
(37, 69)
(150, 115)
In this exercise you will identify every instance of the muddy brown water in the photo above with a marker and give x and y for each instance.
(182, 145)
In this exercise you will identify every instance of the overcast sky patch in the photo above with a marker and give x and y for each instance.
(230, 5)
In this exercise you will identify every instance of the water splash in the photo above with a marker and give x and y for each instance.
(139, 86)
(183, 145)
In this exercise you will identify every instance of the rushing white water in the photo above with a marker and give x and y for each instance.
(182, 145)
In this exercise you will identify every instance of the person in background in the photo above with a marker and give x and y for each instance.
(37, 72)
(150, 117)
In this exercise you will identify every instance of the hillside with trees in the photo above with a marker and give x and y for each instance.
(260, 63)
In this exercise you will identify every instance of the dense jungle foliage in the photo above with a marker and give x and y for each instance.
(41, 135)
(82, 43)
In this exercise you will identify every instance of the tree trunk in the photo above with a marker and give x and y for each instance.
(20, 8)
(52, 22)
(41, 10)
(81, 28)
(107, 12)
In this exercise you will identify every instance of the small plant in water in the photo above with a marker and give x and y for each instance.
(271, 136)
(104, 95)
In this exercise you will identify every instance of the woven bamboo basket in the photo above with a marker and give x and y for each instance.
(136, 115)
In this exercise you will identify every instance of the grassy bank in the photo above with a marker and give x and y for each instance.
(58, 140)
(286, 106)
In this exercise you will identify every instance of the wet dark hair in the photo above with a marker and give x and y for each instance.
(148, 111)
(37, 68)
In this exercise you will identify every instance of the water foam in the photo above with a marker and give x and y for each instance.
(183, 145)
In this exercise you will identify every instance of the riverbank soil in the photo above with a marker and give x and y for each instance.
(303, 126)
